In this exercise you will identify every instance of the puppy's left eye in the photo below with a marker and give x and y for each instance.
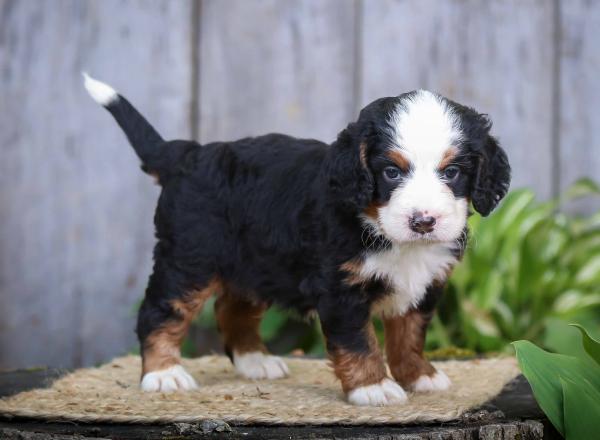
(451, 172)
(392, 173)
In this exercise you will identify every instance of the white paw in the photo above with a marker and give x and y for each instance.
(438, 382)
(387, 392)
(172, 379)
(257, 365)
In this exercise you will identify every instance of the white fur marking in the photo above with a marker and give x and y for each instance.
(387, 392)
(102, 93)
(409, 268)
(257, 365)
(438, 382)
(425, 128)
(171, 379)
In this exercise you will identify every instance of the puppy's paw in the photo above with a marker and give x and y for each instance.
(174, 378)
(386, 392)
(257, 365)
(437, 382)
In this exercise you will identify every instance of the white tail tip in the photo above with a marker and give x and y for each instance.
(102, 93)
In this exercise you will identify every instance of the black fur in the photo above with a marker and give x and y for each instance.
(275, 217)
(483, 159)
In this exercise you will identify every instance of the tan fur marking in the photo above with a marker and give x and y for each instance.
(352, 267)
(399, 159)
(161, 348)
(363, 154)
(239, 321)
(448, 157)
(372, 211)
(357, 370)
(404, 342)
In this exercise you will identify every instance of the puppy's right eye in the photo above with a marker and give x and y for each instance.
(392, 173)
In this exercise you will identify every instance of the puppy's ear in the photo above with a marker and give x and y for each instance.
(492, 176)
(350, 179)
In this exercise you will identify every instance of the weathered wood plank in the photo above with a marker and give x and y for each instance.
(579, 95)
(495, 56)
(503, 430)
(275, 66)
(76, 213)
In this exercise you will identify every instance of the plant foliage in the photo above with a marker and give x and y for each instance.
(567, 388)
(528, 271)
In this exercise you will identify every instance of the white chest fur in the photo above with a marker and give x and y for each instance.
(409, 269)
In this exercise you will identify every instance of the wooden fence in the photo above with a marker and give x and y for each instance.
(75, 212)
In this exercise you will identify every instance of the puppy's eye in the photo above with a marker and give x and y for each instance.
(391, 173)
(451, 172)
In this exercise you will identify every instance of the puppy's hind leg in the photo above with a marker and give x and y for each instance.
(163, 322)
(239, 320)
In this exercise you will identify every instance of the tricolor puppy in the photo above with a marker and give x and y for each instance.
(371, 224)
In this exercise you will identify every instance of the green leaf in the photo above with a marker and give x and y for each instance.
(573, 300)
(581, 188)
(581, 410)
(544, 371)
(592, 347)
(490, 291)
(513, 207)
(590, 272)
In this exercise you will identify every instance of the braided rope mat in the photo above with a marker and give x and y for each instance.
(311, 395)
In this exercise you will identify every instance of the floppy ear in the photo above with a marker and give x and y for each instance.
(350, 180)
(492, 177)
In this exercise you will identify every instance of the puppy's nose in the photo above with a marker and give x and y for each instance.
(421, 223)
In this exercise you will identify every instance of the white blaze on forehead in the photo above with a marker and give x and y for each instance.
(425, 127)
(426, 132)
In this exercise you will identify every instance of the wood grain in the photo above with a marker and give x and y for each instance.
(76, 230)
(274, 66)
(579, 55)
(495, 56)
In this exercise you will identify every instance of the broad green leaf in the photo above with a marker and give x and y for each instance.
(490, 291)
(590, 272)
(513, 207)
(580, 248)
(505, 314)
(573, 300)
(581, 410)
(546, 388)
(560, 338)
(552, 243)
(592, 347)
(543, 370)
(581, 188)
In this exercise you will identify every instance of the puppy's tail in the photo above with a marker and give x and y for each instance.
(144, 139)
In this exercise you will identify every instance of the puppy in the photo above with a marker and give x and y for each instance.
(370, 224)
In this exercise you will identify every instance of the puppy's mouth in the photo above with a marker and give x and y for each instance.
(411, 237)
(375, 236)
(427, 237)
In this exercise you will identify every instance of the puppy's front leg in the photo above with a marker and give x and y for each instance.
(357, 360)
(404, 343)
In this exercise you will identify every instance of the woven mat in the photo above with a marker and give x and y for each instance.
(311, 395)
